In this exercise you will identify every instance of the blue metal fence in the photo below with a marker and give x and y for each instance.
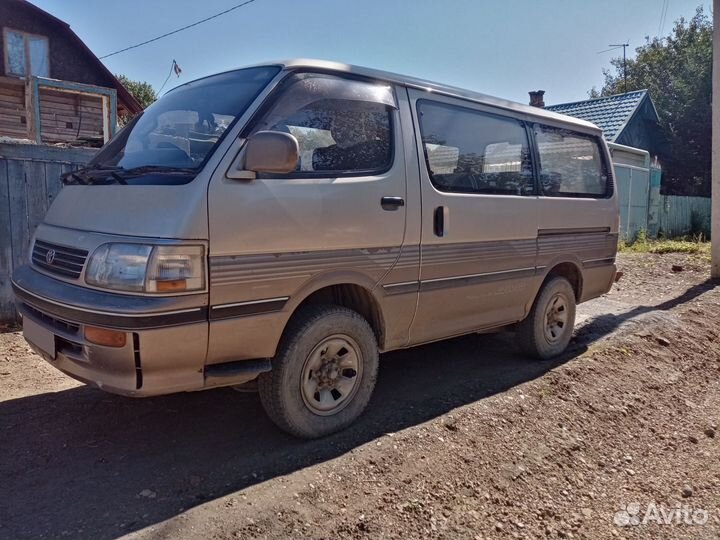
(679, 216)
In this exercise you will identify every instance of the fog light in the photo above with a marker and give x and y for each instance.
(103, 336)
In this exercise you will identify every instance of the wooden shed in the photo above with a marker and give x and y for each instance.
(53, 89)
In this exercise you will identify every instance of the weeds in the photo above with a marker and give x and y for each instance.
(696, 244)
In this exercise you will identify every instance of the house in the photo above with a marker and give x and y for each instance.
(628, 119)
(53, 89)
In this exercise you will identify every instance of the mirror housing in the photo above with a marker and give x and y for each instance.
(268, 152)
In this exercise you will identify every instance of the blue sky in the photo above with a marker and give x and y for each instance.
(500, 47)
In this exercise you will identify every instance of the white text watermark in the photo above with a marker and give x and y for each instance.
(636, 514)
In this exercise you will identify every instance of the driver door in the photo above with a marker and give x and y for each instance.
(278, 237)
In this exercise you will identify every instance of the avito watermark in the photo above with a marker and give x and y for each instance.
(634, 514)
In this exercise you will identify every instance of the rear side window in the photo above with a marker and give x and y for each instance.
(571, 164)
(468, 151)
(343, 126)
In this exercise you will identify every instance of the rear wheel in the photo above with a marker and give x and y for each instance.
(323, 374)
(547, 330)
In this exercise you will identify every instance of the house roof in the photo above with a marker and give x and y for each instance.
(123, 94)
(610, 113)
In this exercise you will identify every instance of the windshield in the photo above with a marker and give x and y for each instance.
(170, 141)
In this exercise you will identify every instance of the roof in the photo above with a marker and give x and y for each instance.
(123, 93)
(610, 113)
(413, 82)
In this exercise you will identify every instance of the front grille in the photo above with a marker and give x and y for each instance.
(57, 324)
(66, 261)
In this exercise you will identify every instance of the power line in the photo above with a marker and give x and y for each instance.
(663, 16)
(233, 8)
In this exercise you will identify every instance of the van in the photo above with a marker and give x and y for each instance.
(286, 223)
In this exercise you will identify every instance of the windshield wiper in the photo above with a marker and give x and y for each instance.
(135, 171)
(72, 178)
(90, 175)
(105, 175)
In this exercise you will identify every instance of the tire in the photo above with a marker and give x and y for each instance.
(544, 338)
(323, 374)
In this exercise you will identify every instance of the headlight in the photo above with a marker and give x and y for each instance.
(143, 268)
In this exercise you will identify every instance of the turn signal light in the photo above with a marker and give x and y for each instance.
(172, 285)
(103, 336)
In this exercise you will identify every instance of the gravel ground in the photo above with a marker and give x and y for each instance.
(464, 439)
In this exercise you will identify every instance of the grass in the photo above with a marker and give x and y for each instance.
(696, 245)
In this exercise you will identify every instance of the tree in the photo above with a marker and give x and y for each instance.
(143, 92)
(677, 70)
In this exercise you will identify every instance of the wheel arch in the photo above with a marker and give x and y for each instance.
(350, 291)
(569, 270)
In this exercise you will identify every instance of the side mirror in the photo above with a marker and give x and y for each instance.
(266, 151)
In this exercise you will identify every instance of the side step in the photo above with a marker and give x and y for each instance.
(234, 373)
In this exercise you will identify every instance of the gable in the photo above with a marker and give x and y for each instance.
(69, 57)
(612, 113)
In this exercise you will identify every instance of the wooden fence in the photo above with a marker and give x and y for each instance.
(29, 181)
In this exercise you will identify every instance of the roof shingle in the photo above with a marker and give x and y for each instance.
(609, 113)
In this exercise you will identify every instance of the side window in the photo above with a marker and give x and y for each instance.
(468, 151)
(343, 126)
(26, 54)
(571, 164)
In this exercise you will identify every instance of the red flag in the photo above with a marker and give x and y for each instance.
(176, 68)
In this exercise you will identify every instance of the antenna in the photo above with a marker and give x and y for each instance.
(624, 48)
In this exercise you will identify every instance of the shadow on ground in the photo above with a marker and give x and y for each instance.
(73, 463)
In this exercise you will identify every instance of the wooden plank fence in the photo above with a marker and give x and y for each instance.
(29, 181)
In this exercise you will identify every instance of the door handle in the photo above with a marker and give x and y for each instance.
(441, 218)
(392, 203)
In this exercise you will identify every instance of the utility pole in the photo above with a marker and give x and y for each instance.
(624, 47)
(715, 270)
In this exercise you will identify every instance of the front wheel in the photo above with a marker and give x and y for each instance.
(547, 330)
(323, 373)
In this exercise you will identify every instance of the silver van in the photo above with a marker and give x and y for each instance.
(288, 222)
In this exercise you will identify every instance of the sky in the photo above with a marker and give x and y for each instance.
(503, 48)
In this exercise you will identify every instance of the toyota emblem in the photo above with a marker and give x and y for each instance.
(50, 256)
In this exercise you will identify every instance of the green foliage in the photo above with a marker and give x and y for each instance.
(641, 237)
(677, 70)
(143, 92)
(697, 244)
(699, 224)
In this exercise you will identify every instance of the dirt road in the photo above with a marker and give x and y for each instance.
(464, 439)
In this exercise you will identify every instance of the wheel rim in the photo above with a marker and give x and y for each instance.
(557, 313)
(331, 375)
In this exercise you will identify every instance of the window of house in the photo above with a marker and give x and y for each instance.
(571, 164)
(26, 54)
(469, 151)
(343, 126)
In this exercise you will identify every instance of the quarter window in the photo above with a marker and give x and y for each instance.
(571, 164)
(26, 54)
(343, 127)
(468, 151)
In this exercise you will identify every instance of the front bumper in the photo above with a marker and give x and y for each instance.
(166, 341)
